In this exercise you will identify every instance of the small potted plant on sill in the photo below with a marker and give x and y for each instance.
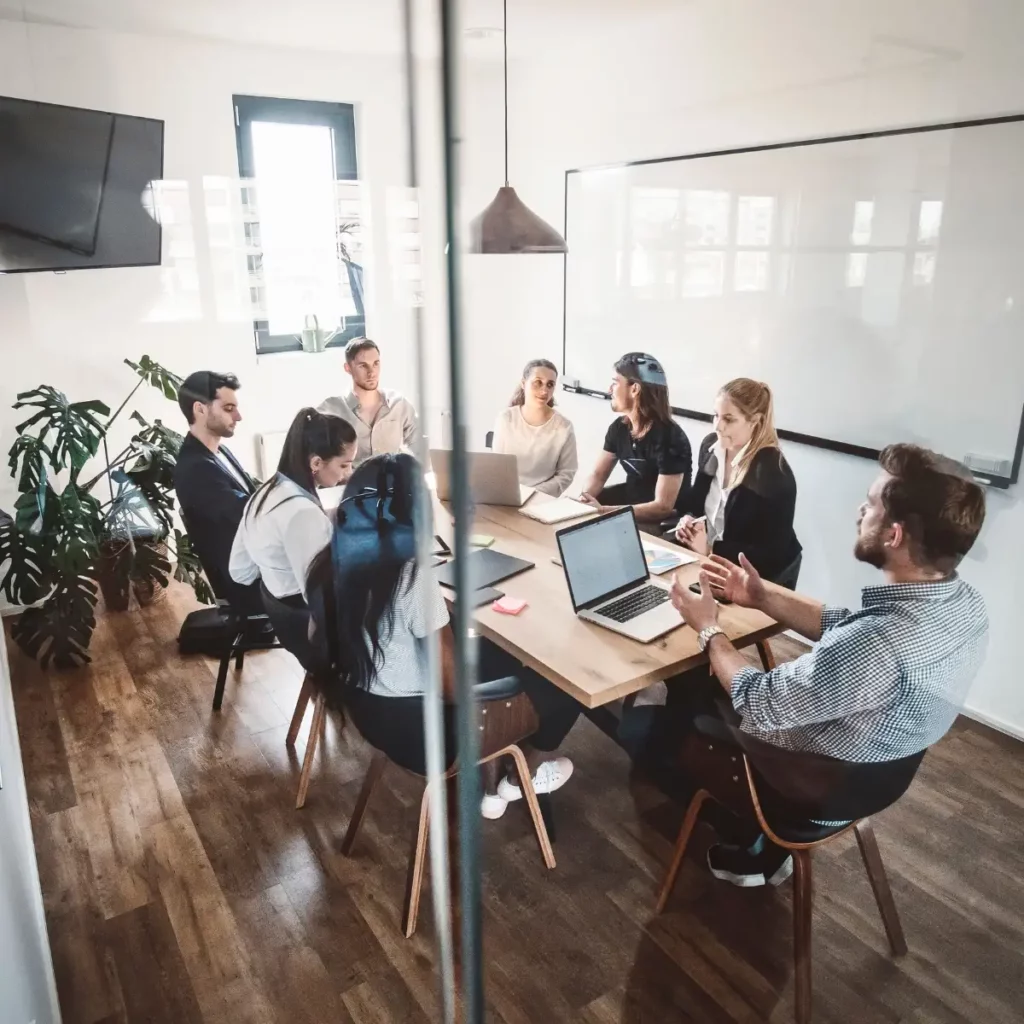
(113, 532)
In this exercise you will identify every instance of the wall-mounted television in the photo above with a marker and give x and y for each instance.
(75, 187)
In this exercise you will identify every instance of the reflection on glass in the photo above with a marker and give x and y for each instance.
(856, 269)
(863, 215)
(707, 217)
(405, 245)
(168, 202)
(298, 210)
(703, 274)
(750, 271)
(929, 221)
(754, 220)
(924, 268)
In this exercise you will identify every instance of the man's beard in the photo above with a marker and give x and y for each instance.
(223, 430)
(870, 550)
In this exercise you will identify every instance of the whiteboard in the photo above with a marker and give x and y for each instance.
(874, 282)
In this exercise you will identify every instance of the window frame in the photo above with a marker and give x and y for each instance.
(340, 117)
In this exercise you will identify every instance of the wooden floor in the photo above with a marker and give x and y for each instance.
(181, 885)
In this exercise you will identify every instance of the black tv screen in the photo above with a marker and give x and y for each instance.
(74, 185)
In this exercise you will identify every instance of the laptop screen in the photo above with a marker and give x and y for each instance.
(602, 556)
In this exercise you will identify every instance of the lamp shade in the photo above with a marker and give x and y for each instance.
(508, 225)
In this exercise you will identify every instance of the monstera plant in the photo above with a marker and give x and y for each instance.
(114, 531)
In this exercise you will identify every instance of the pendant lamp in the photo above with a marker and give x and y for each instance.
(508, 225)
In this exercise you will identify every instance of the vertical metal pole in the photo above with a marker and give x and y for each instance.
(433, 724)
(466, 712)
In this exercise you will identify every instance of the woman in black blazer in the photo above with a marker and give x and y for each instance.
(744, 493)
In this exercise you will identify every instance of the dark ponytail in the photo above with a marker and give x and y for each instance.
(311, 433)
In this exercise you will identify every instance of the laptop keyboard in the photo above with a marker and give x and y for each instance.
(634, 604)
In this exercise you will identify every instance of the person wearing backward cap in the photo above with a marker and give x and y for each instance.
(646, 441)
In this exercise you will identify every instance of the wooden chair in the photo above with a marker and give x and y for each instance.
(730, 775)
(317, 732)
(507, 717)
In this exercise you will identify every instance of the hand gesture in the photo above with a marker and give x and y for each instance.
(698, 610)
(741, 584)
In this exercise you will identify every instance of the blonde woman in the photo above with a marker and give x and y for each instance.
(744, 493)
(540, 437)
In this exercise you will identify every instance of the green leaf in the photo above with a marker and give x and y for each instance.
(31, 476)
(160, 377)
(77, 426)
(75, 527)
(29, 575)
(188, 570)
(159, 434)
(58, 631)
(150, 564)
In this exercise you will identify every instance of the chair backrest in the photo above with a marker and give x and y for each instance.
(489, 439)
(291, 624)
(800, 785)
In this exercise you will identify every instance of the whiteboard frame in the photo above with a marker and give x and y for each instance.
(843, 447)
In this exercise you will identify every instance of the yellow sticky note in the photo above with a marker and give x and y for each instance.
(481, 540)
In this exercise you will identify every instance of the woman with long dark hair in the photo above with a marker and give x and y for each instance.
(374, 610)
(284, 525)
(540, 437)
(645, 440)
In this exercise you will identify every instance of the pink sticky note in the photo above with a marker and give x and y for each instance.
(509, 605)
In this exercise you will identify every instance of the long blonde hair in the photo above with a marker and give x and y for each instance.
(754, 400)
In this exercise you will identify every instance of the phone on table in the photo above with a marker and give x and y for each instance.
(695, 588)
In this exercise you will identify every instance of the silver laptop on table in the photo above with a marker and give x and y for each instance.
(493, 478)
(609, 581)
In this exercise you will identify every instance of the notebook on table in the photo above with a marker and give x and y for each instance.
(486, 567)
(558, 511)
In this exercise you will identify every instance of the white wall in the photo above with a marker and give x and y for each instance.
(27, 990)
(737, 72)
(73, 330)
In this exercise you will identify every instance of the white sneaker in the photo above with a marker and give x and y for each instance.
(493, 806)
(551, 775)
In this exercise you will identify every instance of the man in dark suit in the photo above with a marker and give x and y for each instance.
(211, 485)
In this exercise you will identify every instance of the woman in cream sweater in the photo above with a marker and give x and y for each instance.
(541, 439)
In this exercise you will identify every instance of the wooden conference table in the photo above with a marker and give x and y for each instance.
(593, 664)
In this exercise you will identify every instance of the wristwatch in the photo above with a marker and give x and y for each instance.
(705, 635)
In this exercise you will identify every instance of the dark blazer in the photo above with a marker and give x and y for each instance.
(758, 512)
(212, 500)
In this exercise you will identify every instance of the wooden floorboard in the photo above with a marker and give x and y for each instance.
(181, 885)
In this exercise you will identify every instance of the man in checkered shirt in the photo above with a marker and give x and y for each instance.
(885, 681)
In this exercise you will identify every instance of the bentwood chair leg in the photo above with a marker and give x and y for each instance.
(373, 773)
(526, 784)
(300, 711)
(880, 886)
(417, 863)
(319, 710)
(802, 910)
(240, 659)
(685, 831)
(767, 657)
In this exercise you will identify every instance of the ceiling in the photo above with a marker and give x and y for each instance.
(348, 26)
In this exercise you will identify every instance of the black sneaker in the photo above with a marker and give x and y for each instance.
(772, 866)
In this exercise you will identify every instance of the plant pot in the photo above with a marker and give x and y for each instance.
(112, 568)
(147, 591)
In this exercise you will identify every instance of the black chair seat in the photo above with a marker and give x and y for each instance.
(498, 689)
(803, 831)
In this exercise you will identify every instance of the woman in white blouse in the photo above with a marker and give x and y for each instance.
(284, 526)
(541, 439)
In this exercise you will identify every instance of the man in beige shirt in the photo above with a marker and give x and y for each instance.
(384, 421)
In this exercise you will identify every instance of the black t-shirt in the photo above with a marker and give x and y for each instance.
(663, 451)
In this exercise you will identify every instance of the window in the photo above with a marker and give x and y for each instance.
(301, 208)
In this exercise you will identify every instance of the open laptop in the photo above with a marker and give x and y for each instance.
(493, 478)
(609, 581)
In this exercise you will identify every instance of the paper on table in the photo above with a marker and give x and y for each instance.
(661, 560)
(556, 511)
